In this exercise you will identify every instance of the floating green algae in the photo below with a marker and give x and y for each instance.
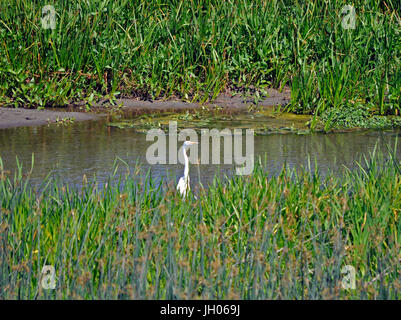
(263, 121)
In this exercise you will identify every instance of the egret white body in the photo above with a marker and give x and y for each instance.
(183, 184)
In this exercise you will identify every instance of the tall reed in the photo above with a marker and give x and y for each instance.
(197, 49)
(284, 237)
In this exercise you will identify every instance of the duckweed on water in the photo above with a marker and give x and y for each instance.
(254, 237)
(357, 117)
(263, 121)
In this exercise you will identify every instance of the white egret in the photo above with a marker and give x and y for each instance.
(183, 183)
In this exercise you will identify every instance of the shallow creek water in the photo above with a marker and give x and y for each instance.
(91, 148)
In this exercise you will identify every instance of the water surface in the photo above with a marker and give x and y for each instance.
(90, 148)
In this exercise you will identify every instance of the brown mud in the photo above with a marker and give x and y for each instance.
(21, 117)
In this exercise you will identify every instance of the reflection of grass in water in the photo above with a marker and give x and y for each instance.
(262, 121)
(253, 237)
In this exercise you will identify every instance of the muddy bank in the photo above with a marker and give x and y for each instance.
(11, 117)
(224, 100)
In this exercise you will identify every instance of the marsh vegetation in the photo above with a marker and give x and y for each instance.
(252, 237)
(194, 50)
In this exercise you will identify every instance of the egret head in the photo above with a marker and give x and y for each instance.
(188, 143)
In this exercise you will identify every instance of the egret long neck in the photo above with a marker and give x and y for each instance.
(186, 168)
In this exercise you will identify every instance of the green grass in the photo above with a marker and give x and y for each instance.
(284, 237)
(196, 49)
